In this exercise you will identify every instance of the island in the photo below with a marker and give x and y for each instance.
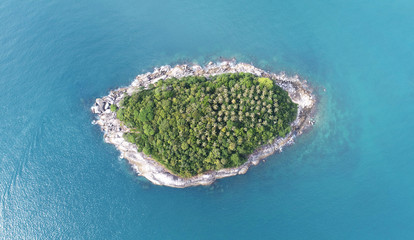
(190, 125)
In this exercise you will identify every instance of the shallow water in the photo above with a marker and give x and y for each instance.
(350, 177)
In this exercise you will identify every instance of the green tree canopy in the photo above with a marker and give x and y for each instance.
(194, 124)
(266, 82)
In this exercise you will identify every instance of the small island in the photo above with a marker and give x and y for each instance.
(189, 125)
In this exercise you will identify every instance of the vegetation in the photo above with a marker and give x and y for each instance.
(195, 124)
(113, 108)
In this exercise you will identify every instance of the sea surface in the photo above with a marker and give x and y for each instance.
(350, 177)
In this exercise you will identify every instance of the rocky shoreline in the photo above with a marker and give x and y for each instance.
(113, 130)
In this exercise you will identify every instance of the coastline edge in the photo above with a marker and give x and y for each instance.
(113, 129)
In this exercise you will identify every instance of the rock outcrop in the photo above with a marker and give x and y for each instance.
(298, 90)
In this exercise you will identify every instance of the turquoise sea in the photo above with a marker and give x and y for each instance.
(350, 177)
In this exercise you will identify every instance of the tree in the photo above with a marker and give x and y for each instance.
(265, 82)
(232, 146)
(235, 159)
(148, 130)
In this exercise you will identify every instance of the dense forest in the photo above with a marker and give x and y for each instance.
(194, 124)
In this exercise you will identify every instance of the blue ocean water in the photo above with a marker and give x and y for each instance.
(350, 177)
